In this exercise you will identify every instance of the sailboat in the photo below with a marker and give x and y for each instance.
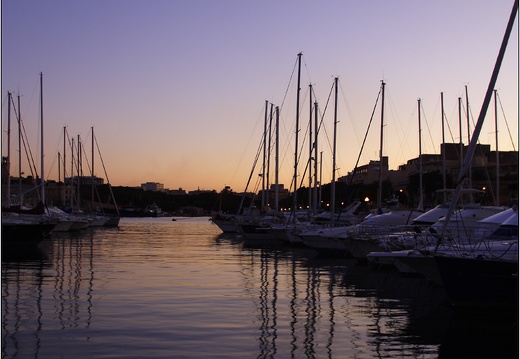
(21, 225)
(383, 230)
(483, 280)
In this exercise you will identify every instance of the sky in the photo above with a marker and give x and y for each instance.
(176, 90)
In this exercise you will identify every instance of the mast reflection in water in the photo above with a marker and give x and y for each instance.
(156, 288)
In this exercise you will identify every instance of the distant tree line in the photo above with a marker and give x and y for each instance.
(229, 201)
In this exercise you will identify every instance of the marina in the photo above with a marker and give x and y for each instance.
(158, 288)
(419, 261)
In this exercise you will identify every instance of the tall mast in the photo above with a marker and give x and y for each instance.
(461, 144)
(92, 177)
(42, 151)
(443, 150)
(497, 199)
(467, 113)
(59, 173)
(64, 153)
(72, 170)
(277, 150)
(61, 184)
(420, 205)
(20, 151)
(79, 173)
(311, 204)
(315, 196)
(333, 185)
(263, 163)
(268, 182)
(469, 135)
(321, 176)
(379, 190)
(8, 164)
(481, 116)
(295, 176)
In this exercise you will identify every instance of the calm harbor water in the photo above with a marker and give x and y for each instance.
(157, 288)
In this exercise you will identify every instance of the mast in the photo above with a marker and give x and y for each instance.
(420, 205)
(79, 165)
(467, 113)
(315, 196)
(8, 164)
(8, 159)
(277, 150)
(64, 153)
(20, 193)
(72, 171)
(42, 151)
(268, 181)
(59, 178)
(59, 168)
(311, 204)
(92, 176)
(443, 150)
(333, 187)
(321, 176)
(481, 116)
(469, 136)
(379, 190)
(295, 176)
(461, 144)
(264, 150)
(497, 199)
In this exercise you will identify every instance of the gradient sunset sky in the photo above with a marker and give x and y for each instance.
(176, 90)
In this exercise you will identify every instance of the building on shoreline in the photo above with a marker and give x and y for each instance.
(152, 186)
(483, 173)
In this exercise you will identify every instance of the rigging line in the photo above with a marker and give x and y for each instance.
(28, 152)
(402, 140)
(90, 171)
(304, 142)
(326, 106)
(251, 175)
(306, 68)
(351, 116)
(362, 146)
(293, 134)
(449, 127)
(6, 99)
(289, 84)
(35, 88)
(323, 116)
(53, 156)
(284, 150)
(244, 151)
(481, 151)
(505, 120)
(451, 134)
(427, 126)
(106, 174)
(83, 152)
(255, 189)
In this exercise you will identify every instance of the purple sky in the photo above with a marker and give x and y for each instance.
(175, 90)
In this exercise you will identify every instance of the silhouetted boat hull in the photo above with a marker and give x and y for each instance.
(14, 232)
(479, 282)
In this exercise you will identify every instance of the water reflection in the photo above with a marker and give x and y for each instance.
(380, 312)
(175, 289)
(73, 281)
(60, 270)
(22, 274)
